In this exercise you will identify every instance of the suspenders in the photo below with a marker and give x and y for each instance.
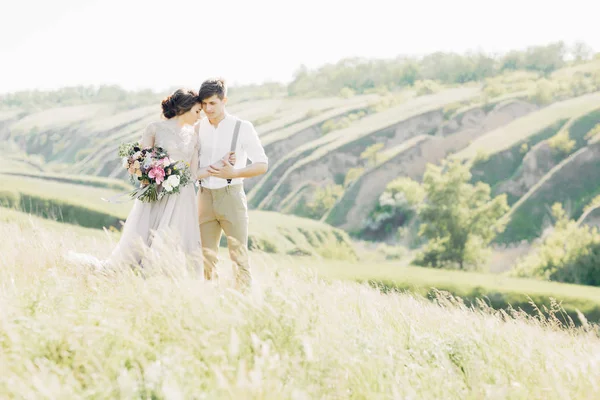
(236, 133)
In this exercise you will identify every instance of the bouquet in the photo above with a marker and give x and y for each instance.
(157, 174)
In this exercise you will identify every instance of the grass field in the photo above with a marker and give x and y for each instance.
(68, 332)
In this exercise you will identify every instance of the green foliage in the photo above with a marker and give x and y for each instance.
(481, 157)
(77, 95)
(451, 109)
(524, 148)
(346, 93)
(561, 144)
(396, 205)
(352, 175)
(370, 153)
(323, 199)
(544, 59)
(9, 199)
(312, 113)
(368, 76)
(427, 87)
(544, 92)
(581, 52)
(342, 122)
(458, 218)
(335, 124)
(569, 253)
(392, 252)
(69, 96)
(259, 243)
(493, 90)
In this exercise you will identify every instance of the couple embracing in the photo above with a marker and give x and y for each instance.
(217, 148)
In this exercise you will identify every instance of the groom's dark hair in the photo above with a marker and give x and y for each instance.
(211, 87)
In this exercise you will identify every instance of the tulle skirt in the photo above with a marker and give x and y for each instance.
(164, 227)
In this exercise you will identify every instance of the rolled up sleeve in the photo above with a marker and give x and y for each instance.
(252, 145)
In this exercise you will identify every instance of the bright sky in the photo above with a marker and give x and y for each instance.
(47, 44)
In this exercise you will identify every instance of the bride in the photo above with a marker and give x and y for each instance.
(174, 216)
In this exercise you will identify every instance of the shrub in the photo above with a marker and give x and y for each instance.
(569, 253)
(561, 144)
(427, 86)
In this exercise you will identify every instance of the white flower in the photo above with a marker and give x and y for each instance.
(171, 182)
(174, 180)
(125, 162)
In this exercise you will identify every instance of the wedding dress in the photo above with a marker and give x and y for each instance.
(175, 216)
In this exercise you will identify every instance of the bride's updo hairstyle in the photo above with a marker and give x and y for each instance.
(180, 102)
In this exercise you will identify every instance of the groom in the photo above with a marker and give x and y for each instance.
(222, 202)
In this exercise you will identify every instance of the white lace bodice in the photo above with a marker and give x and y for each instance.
(180, 143)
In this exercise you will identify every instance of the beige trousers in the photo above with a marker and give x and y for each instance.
(225, 210)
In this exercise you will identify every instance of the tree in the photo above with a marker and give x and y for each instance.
(581, 52)
(513, 60)
(545, 59)
(459, 219)
(561, 144)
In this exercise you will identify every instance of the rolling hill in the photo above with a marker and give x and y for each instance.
(332, 156)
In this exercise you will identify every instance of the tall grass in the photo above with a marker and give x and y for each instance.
(69, 332)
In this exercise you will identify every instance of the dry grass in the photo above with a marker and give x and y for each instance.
(68, 332)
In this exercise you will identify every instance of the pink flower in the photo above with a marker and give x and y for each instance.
(158, 174)
(165, 161)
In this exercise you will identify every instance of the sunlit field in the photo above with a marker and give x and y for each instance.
(68, 331)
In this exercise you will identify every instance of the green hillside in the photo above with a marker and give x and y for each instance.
(78, 201)
(336, 137)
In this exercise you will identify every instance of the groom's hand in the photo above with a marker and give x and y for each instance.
(223, 170)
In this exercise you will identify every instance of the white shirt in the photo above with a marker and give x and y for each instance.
(215, 142)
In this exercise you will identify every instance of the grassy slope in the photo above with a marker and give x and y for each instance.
(324, 112)
(519, 130)
(573, 182)
(81, 204)
(504, 165)
(294, 115)
(70, 193)
(337, 215)
(312, 151)
(568, 187)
